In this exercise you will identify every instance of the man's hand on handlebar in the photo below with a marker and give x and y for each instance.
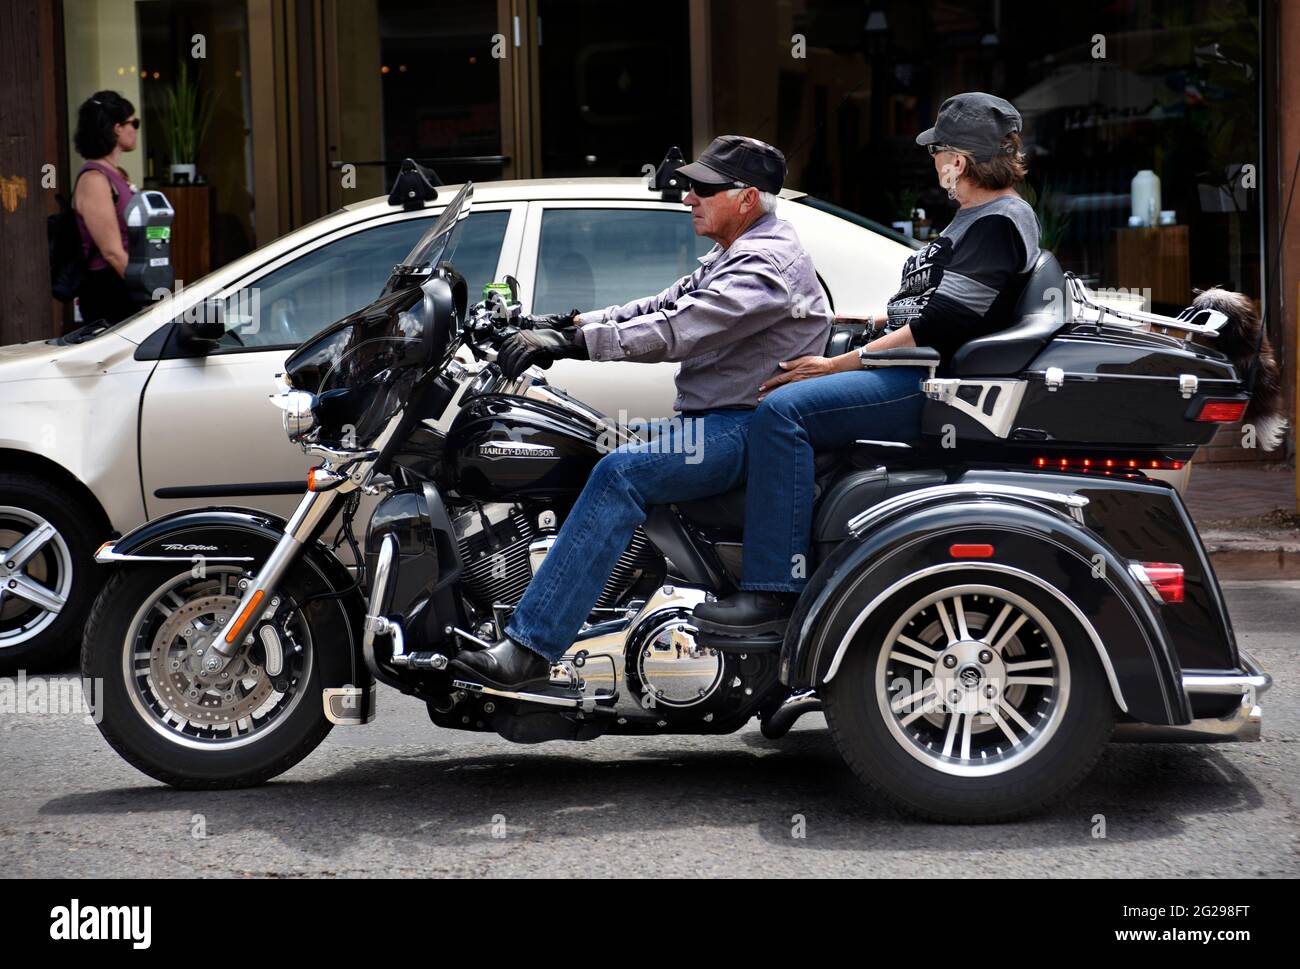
(540, 347)
(548, 321)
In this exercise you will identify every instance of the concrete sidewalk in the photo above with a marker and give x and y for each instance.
(1247, 519)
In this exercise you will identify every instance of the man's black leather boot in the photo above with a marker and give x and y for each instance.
(507, 665)
(746, 613)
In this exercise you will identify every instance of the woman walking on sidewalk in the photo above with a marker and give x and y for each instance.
(106, 127)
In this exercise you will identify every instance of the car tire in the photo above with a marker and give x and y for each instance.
(34, 637)
(907, 761)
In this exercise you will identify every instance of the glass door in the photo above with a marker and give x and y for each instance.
(612, 96)
(410, 79)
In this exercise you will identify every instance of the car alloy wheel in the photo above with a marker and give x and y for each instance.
(35, 575)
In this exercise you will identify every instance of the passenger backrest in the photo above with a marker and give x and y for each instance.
(1041, 312)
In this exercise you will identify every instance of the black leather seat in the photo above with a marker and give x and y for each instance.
(1041, 312)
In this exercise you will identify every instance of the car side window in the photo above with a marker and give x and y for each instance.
(591, 258)
(298, 300)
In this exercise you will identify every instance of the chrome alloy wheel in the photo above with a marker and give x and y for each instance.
(162, 662)
(972, 680)
(35, 575)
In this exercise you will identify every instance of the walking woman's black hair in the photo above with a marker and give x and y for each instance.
(94, 137)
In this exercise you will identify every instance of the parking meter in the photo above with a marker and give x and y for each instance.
(149, 245)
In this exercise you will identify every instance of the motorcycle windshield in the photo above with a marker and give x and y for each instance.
(439, 243)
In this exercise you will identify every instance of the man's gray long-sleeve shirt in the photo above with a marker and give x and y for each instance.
(747, 308)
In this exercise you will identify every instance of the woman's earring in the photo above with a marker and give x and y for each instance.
(949, 181)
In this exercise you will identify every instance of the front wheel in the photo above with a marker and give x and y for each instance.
(976, 699)
(143, 667)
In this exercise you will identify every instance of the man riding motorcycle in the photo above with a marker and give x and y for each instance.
(754, 301)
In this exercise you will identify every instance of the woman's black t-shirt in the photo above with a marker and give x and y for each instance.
(965, 283)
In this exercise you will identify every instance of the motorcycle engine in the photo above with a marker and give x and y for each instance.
(502, 544)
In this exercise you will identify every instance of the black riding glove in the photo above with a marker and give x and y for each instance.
(540, 348)
(548, 321)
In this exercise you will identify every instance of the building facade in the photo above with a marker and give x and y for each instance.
(314, 103)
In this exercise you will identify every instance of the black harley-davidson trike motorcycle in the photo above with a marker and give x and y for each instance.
(985, 613)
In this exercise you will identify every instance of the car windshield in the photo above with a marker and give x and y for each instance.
(861, 220)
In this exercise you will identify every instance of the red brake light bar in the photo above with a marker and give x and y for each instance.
(971, 551)
(1110, 464)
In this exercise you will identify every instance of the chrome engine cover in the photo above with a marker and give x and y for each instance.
(671, 667)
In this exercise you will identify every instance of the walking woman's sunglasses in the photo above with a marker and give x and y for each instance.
(133, 122)
(935, 149)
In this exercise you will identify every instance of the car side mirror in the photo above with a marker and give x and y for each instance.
(202, 325)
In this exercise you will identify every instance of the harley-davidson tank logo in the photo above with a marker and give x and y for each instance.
(497, 449)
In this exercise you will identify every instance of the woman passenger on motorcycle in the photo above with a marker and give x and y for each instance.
(962, 285)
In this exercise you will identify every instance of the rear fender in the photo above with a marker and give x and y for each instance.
(1031, 541)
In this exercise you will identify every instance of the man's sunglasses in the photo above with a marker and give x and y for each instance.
(935, 149)
(709, 189)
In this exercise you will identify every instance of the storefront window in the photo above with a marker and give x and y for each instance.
(418, 81)
(615, 92)
(167, 56)
(1106, 91)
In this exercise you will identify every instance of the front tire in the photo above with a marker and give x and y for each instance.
(970, 700)
(169, 720)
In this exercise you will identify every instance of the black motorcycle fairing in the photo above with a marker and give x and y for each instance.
(367, 366)
(1129, 633)
(422, 589)
(212, 534)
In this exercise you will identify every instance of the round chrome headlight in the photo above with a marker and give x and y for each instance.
(297, 410)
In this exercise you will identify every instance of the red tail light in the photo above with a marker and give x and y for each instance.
(1166, 578)
(1222, 411)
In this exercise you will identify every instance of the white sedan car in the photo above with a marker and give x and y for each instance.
(101, 433)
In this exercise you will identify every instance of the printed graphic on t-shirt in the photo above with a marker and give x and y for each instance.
(921, 275)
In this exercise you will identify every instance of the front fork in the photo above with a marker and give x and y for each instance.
(314, 508)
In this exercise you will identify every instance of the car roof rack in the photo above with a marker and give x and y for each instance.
(414, 186)
(665, 180)
(1191, 320)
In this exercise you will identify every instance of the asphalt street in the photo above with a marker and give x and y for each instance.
(400, 797)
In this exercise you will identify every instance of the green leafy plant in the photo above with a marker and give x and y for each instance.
(904, 202)
(1053, 214)
(185, 118)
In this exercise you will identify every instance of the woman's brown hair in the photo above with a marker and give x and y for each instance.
(1003, 170)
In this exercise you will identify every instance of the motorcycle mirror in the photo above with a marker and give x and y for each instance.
(514, 288)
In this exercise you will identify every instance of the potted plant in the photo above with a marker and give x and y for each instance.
(184, 121)
(1053, 212)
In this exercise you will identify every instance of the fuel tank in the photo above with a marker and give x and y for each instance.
(503, 447)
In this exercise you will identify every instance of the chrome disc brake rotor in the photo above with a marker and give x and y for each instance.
(177, 674)
(163, 663)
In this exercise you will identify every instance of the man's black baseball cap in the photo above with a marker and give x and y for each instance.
(735, 158)
(974, 122)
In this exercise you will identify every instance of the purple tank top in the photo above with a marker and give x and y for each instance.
(122, 188)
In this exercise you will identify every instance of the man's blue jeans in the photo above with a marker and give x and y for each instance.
(681, 461)
(818, 414)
